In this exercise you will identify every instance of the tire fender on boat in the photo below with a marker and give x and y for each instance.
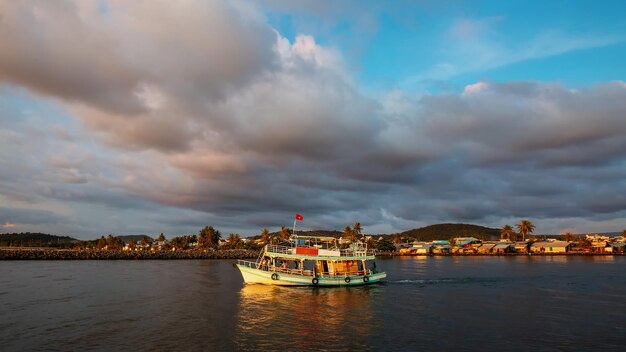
(347, 280)
(366, 279)
(274, 276)
(315, 281)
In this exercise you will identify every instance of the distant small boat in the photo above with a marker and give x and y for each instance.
(312, 261)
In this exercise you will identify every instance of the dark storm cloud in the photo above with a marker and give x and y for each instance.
(28, 216)
(520, 121)
(215, 118)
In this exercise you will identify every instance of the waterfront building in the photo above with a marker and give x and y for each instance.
(600, 244)
(403, 247)
(441, 248)
(521, 247)
(421, 247)
(486, 247)
(597, 238)
(618, 247)
(550, 247)
(462, 241)
(467, 249)
(504, 247)
(405, 250)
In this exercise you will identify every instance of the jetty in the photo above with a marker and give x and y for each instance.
(26, 253)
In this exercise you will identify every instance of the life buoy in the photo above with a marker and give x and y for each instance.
(315, 281)
(274, 276)
(366, 279)
(347, 280)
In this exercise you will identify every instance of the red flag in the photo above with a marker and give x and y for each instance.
(299, 217)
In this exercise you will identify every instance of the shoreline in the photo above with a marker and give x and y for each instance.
(27, 253)
(391, 254)
(73, 254)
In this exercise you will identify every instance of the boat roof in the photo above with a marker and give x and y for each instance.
(319, 257)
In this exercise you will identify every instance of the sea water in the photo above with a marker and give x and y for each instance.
(519, 303)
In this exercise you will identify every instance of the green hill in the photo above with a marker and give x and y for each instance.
(325, 233)
(427, 233)
(446, 231)
(34, 239)
(136, 238)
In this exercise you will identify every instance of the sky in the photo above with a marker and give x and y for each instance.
(142, 117)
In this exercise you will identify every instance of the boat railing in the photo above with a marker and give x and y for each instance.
(347, 252)
(353, 252)
(248, 264)
(366, 272)
(275, 269)
(274, 248)
(292, 271)
(306, 272)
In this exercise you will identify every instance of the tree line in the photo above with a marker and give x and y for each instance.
(524, 228)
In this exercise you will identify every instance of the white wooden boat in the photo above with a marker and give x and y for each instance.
(312, 261)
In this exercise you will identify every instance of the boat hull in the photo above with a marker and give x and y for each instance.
(257, 276)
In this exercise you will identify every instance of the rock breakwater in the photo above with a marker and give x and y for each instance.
(68, 254)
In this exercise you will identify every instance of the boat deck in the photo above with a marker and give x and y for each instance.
(293, 277)
(312, 253)
(300, 272)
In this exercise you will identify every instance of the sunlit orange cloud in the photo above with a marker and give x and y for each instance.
(8, 225)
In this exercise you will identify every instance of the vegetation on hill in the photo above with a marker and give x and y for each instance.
(136, 238)
(325, 233)
(445, 231)
(208, 237)
(34, 239)
(277, 234)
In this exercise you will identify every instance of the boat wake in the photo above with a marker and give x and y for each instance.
(463, 280)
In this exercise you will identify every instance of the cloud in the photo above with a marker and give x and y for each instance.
(12, 216)
(92, 60)
(467, 29)
(478, 45)
(543, 123)
(8, 225)
(216, 118)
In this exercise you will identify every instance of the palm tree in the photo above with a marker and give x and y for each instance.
(525, 227)
(145, 242)
(209, 237)
(265, 236)
(349, 234)
(216, 235)
(204, 238)
(567, 236)
(179, 242)
(284, 234)
(506, 232)
(233, 240)
(114, 243)
(357, 229)
(102, 242)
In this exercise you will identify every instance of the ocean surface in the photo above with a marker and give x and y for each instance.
(523, 303)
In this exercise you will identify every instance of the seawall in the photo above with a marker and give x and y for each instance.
(70, 254)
